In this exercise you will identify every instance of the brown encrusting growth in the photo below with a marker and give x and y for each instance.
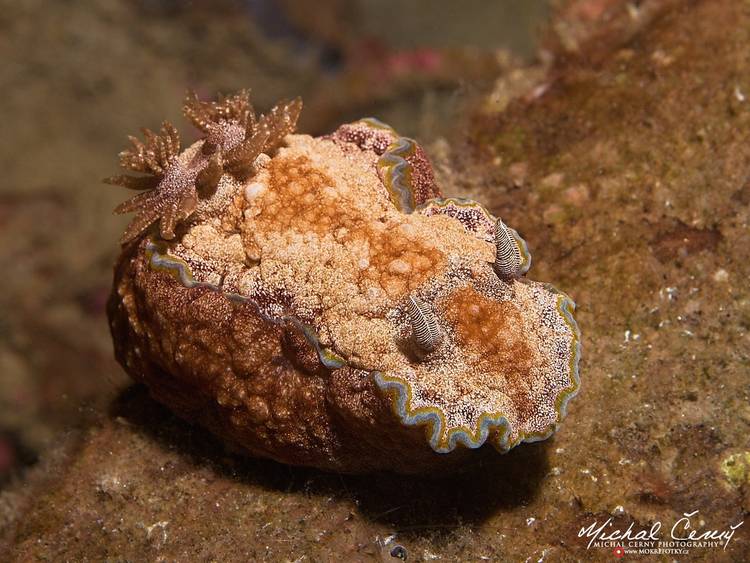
(233, 138)
(206, 115)
(232, 128)
(171, 195)
(307, 310)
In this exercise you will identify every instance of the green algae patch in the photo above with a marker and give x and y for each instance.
(736, 468)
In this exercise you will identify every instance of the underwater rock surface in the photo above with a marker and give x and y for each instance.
(321, 303)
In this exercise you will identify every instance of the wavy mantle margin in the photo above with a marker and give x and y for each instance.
(160, 260)
(444, 203)
(444, 440)
(399, 390)
(393, 166)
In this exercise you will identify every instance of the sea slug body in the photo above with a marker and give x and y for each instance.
(319, 302)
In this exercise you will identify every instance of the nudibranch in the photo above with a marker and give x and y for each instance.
(318, 301)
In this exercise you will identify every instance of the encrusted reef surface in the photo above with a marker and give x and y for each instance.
(627, 174)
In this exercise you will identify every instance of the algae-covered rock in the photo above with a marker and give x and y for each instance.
(736, 468)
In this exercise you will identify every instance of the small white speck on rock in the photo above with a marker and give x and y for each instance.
(721, 276)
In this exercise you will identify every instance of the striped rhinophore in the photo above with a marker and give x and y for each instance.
(424, 325)
(512, 258)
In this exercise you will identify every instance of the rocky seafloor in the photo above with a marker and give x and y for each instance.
(624, 161)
